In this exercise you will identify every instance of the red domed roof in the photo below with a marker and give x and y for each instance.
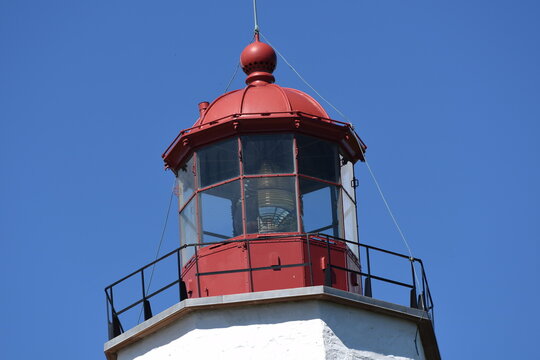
(261, 106)
(262, 98)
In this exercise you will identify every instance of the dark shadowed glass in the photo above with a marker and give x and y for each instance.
(218, 162)
(268, 154)
(318, 158)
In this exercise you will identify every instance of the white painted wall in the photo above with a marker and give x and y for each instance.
(296, 330)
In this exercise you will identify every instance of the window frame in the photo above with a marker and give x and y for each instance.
(243, 178)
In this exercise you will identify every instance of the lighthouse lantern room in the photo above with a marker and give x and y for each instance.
(262, 167)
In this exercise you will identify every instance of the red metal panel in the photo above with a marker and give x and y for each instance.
(286, 252)
(277, 255)
(214, 258)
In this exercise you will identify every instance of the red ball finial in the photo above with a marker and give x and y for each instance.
(258, 61)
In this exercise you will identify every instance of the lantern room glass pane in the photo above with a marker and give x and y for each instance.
(270, 205)
(348, 194)
(218, 162)
(221, 212)
(318, 158)
(268, 154)
(185, 182)
(347, 177)
(320, 207)
(188, 229)
(349, 222)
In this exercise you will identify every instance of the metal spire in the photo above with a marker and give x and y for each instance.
(256, 20)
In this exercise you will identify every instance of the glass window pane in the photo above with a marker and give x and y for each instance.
(268, 154)
(221, 212)
(185, 182)
(320, 204)
(188, 229)
(349, 222)
(350, 226)
(271, 205)
(347, 177)
(218, 162)
(318, 158)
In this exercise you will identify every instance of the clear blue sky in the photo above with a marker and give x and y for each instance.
(445, 93)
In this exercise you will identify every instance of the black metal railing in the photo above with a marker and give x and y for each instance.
(419, 293)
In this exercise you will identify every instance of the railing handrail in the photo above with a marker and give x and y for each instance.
(427, 301)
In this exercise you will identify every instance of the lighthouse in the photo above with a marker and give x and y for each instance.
(269, 264)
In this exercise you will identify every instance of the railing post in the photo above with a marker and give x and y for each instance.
(367, 287)
(109, 315)
(111, 298)
(413, 300)
(114, 327)
(421, 301)
(251, 288)
(328, 270)
(143, 285)
(182, 291)
(309, 259)
(424, 305)
(197, 268)
(146, 304)
(107, 305)
(147, 309)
